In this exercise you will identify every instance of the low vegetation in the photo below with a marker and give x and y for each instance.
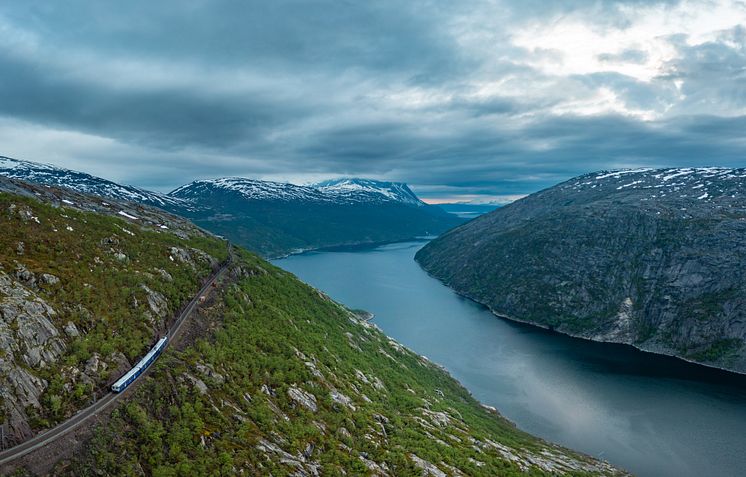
(293, 383)
(102, 289)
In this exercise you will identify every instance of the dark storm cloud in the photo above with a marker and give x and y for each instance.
(429, 92)
(162, 118)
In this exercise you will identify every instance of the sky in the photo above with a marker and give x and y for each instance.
(475, 100)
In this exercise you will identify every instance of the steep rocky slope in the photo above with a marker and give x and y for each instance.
(291, 383)
(653, 258)
(272, 378)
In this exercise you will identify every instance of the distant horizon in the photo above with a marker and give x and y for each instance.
(461, 199)
(467, 99)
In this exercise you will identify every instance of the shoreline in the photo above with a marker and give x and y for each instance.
(585, 338)
(503, 316)
(348, 246)
(580, 337)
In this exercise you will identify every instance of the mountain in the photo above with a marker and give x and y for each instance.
(267, 376)
(365, 190)
(340, 192)
(654, 258)
(86, 183)
(271, 218)
(275, 219)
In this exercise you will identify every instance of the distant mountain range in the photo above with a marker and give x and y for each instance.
(650, 257)
(272, 218)
(275, 219)
(342, 191)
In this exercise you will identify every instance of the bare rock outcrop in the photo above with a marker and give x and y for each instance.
(27, 329)
(28, 340)
(157, 303)
(303, 398)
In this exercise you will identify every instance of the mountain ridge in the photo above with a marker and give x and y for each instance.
(353, 190)
(272, 218)
(48, 174)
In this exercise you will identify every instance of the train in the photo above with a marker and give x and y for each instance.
(122, 383)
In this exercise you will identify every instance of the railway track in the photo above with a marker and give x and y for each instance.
(110, 398)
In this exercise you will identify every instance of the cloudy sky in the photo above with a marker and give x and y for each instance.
(475, 99)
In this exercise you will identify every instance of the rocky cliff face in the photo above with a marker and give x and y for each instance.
(29, 340)
(653, 258)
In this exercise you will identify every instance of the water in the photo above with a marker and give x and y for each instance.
(652, 415)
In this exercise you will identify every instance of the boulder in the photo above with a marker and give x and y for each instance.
(71, 330)
(156, 302)
(24, 276)
(340, 398)
(428, 468)
(49, 279)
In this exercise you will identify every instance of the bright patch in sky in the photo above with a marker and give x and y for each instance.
(642, 46)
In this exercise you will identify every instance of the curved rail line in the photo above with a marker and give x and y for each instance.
(109, 398)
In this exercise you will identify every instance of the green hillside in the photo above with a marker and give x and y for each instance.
(273, 378)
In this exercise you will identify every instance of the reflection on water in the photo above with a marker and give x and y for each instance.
(652, 415)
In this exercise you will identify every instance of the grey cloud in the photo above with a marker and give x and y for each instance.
(415, 91)
(613, 13)
(713, 74)
(163, 118)
(653, 95)
(294, 35)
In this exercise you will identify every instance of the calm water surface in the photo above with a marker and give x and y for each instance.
(652, 415)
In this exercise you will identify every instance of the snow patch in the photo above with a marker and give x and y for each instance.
(125, 214)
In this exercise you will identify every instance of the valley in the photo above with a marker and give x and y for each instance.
(385, 239)
(653, 415)
(271, 377)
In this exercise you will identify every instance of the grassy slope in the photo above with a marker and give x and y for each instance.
(277, 332)
(96, 292)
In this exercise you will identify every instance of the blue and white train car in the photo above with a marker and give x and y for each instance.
(140, 367)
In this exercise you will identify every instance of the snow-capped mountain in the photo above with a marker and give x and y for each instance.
(340, 191)
(250, 189)
(275, 218)
(55, 176)
(367, 189)
(271, 218)
(696, 184)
